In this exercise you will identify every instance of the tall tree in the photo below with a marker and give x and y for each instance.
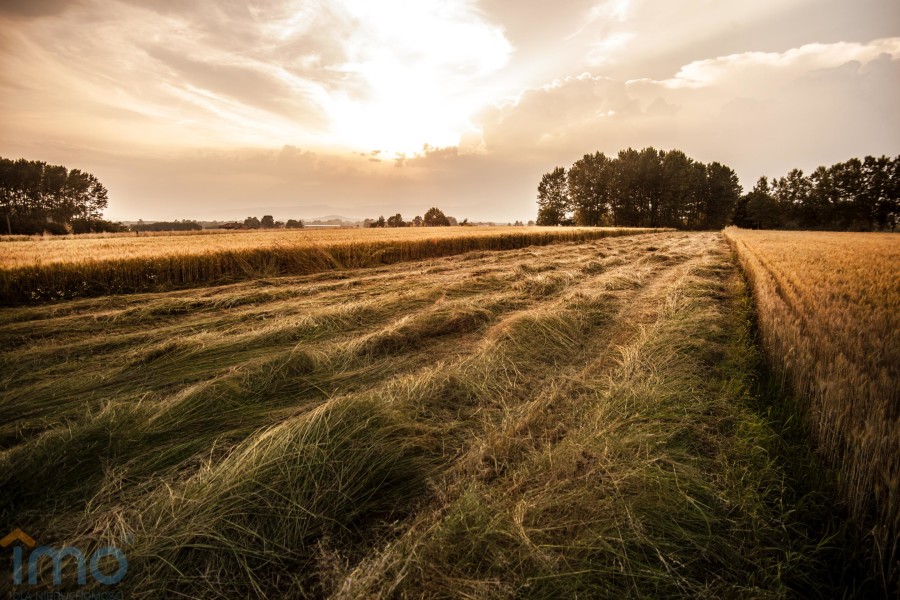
(883, 181)
(37, 197)
(435, 217)
(763, 211)
(589, 189)
(723, 192)
(553, 198)
(674, 204)
(792, 194)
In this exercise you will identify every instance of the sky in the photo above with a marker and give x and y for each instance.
(222, 109)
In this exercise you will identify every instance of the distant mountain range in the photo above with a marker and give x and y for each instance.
(335, 217)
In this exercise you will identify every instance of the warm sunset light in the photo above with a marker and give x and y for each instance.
(210, 109)
(421, 299)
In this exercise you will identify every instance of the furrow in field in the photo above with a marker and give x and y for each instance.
(515, 505)
(178, 337)
(239, 395)
(457, 401)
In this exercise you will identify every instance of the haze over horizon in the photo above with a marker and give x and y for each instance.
(209, 109)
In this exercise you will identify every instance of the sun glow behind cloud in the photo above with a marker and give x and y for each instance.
(424, 67)
(352, 75)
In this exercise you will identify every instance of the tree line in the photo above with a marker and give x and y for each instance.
(856, 195)
(434, 217)
(269, 222)
(645, 188)
(657, 188)
(36, 197)
(183, 225)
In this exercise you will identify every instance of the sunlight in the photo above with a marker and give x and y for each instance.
(423, 68)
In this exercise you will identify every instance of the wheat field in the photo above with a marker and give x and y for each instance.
(47, 269)
(829, 316)
(580, 419)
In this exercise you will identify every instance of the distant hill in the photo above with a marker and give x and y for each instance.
(336, 218)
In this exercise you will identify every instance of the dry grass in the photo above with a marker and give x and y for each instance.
(560, 421)
(41, 268)
(829, 315)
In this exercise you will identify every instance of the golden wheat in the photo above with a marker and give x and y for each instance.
(829, 316)
(50, 269)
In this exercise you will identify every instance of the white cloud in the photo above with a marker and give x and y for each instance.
(750, 69)
(815, 104)
(606, 49)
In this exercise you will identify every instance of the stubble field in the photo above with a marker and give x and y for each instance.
(582, 419)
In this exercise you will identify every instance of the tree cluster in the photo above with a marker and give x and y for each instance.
(646, 188)
(856, 195)
(269, 222)
(36, 197)
(183, 225)
(434, 217)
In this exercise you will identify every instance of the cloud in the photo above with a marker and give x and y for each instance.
(349, 74)
(249, 84)
(759, 112)
(749, 70)
(543, 116)
(30, 9)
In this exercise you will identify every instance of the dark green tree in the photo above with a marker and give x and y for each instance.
(883, 182)
(676, 205)
(792, 193)
(589, 189)
(36, 197)
(762, 209)
(723, 192)
(553, 199)
(434, 217)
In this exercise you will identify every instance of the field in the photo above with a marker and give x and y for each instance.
(582, 419)
(46, 268)
(829, 315)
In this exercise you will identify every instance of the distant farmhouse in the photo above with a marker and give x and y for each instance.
(232, 225)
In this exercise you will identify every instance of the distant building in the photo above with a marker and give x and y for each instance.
(233, 225)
